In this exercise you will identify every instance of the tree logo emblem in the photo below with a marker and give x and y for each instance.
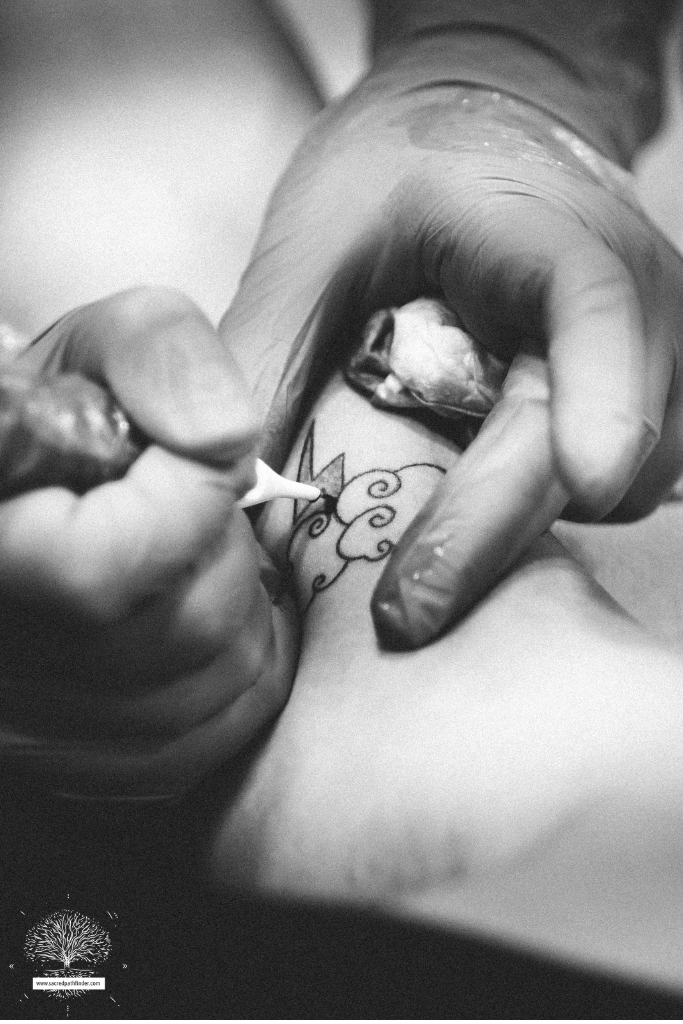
(70, 939)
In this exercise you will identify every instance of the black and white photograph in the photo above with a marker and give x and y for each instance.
(341, 509)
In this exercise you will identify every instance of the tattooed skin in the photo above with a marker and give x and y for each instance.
(354, 520)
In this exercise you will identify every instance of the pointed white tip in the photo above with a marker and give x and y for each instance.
(270, 484)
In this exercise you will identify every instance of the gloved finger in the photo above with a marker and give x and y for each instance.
(152, 675)
(163, 361)
(611, 374)
(168, 767)
(121, 543)
(221, 607)
(498, 498)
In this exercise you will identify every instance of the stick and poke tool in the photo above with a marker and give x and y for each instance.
(68, 431)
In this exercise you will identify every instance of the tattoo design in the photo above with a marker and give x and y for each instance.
(359, 519)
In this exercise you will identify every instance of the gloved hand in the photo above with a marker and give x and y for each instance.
(140, 646)
(415, 186)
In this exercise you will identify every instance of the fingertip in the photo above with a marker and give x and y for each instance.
(598, 453)
(415, 599)
(165, 363)
(196, 401)
(392, 626)
(229, 443)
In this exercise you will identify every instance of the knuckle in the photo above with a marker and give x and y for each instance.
(225, 615)
(203, 628)
(93, 593)
(145, 307)
(207, 632)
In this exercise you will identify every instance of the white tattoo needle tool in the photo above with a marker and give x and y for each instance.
(270, 484)
(77, 436)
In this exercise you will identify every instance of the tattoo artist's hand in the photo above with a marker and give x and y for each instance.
(536, 242)
(140, 647)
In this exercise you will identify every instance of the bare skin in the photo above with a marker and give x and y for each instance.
(442, 782)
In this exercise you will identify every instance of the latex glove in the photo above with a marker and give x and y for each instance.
(415, 187)
(140, 645)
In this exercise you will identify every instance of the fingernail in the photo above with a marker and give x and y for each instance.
(391, 625)
(408, 609)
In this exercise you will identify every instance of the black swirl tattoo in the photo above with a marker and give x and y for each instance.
(317, 524)
(384, 488)
(345, 520)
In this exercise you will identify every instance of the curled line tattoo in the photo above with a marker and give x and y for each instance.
(352, 509)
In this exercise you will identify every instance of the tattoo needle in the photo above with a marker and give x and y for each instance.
(270, 484)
